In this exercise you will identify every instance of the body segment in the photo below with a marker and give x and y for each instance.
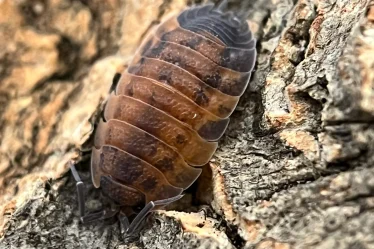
(171, 106)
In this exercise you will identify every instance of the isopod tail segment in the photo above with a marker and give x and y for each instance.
(128, 228)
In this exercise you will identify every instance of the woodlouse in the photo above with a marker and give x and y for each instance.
(163, 120)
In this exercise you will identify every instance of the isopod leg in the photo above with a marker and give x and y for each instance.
(146, 210)
(80, 189)
(101, 215)
(125, 222)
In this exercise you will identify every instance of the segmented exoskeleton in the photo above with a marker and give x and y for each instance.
(169, 108)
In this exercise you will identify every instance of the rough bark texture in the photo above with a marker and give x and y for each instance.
(294, 170)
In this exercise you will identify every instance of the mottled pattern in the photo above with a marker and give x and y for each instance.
(136, 173)
(172, 104)
(146, 147)
(237, 59)
(185, 83)
(225, 80)
(121, 193)
(195, 150)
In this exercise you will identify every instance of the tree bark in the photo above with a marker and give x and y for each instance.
(294, 169)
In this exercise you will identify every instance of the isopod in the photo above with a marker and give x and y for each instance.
(162, 121)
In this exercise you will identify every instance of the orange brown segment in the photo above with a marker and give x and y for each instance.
(147, 89)
(208, 126)
(136, 173)
(230, 57)
(225, 80)
(122, 194)
(148, 148)
(195, 150)
(186, 83)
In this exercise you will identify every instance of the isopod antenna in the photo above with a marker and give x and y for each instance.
(222, 7)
